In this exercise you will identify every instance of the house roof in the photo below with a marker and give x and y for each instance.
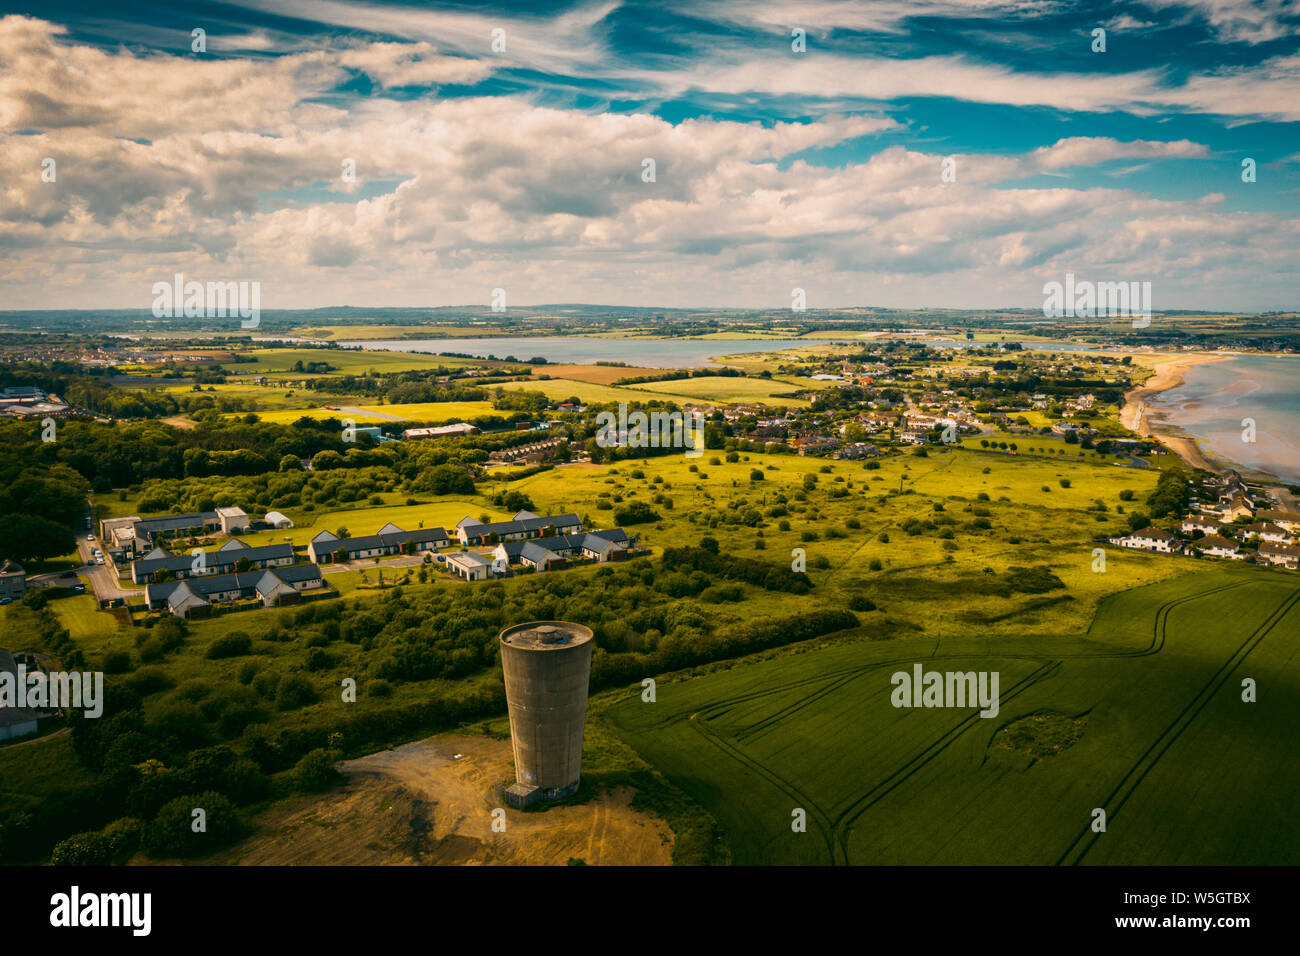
(1216, 541)
(241, 580)
(385, 538)
(518, 525)
(223, 557)
(468, 558)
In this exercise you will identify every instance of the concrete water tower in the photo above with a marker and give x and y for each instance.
(547, 667)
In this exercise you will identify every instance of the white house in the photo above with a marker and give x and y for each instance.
(469, 565)
(1219, 547)
(1152, 539)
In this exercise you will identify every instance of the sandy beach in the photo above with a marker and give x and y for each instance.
(1170, 369)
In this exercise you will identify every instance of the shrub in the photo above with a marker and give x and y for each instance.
(234, 644)
(294, 691)
(860, 603)
(172, 834)
(316, 772)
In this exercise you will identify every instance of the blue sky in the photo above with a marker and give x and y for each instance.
(523, 168)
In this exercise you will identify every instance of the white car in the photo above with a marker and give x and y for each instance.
(90, 537)
(99, 559)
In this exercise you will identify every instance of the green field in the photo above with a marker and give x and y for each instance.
(1186, 771)
(384, 414)
(350, 361)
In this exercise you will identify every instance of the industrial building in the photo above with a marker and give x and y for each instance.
(547, 666)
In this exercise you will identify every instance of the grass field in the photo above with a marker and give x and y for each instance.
(1186, 772)
(269, 361)
(380, 414)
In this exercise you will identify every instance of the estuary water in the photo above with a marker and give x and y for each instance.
(1215, 398)
(587, 350)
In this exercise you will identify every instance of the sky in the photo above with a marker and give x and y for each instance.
(677, 153)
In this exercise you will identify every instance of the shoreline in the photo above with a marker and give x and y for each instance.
(1170, 370)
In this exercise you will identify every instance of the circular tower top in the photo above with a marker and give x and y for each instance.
(546, 635)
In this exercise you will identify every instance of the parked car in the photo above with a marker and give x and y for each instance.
(90, 537)
(6, 600)
(99, 560)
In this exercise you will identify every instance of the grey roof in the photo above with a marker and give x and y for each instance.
(390, 539)
(536, 548)
(243, 581)
(149, 526)
(221, 558)
(518, 525)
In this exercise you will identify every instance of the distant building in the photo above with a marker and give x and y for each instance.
(221, 561)
(13, 580)
(459, 429)
(13, 721)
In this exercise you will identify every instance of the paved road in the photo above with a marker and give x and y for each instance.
(103, 578)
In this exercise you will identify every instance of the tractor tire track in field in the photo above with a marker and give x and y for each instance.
(1115, 801)
(789, 789)
(838, 678)
(844, 822)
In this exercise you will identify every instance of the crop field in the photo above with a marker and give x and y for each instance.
(379, 414)
(726, 390)
(594, 374)
(588, 392)
(354, 362)
(1140, 715)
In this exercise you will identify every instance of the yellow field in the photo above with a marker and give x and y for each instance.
(562, 388)
(727, 390)
(595, 374)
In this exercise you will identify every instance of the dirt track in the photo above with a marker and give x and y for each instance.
(422, 805)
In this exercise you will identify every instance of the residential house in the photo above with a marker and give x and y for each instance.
(221, 561)
(523, 525)
(1217, 546)
(546, 554)
(1152, 539)
(1285, 555)
(390, 539)
(195, 597)
(13, 580)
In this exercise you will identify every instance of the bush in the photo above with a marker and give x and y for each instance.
(637, 512)
(172, 831)
(379, 688)
(293, 691)
(316, 772)
(709, 544)
(860, 603)
(116, 662)
(234, 644)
